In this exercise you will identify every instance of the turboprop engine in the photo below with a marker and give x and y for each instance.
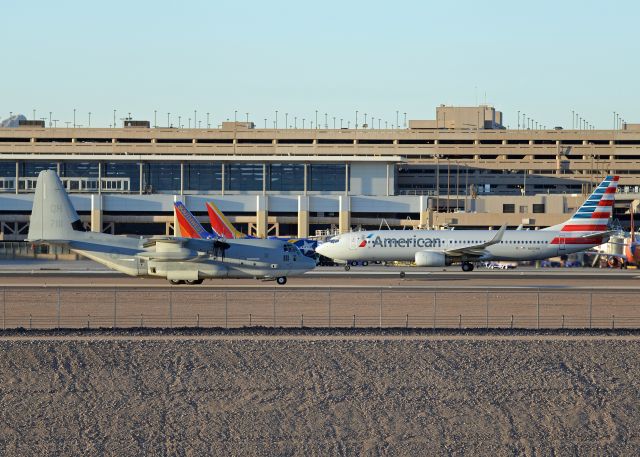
(431, 259)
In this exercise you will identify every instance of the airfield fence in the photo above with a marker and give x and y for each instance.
(173, 307)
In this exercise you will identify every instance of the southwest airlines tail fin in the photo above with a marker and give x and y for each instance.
(595, 212)
(221, 225)
(53, 217)
(189, 225)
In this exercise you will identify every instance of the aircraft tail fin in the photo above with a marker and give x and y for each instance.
(189, 225)
(220, 225)
(595, 212)
(53, 217)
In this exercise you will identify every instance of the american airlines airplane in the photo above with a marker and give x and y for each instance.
(587, 228)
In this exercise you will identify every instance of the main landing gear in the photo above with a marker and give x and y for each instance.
(191, 282)
(281, 280)
(467, 266)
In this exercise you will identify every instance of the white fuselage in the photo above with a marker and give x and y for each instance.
(403, 245)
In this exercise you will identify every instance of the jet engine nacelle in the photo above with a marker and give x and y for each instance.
(431, 259)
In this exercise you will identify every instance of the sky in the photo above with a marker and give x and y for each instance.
(543, 58)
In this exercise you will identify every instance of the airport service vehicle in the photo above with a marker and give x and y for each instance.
(223, 228)
(627, 247)
(587, 228)
(180, 260)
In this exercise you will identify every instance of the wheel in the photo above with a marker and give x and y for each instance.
(281, 280)
(466, 266)
(176, 282)
(194, 281)
(402, 274)
(365, 263)
(347, 268)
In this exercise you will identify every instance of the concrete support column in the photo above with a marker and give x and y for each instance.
(261, 215)
(176, 225)
(344, 214)
(426, 215)
(17, 176)
(96, 213)
(303, 216)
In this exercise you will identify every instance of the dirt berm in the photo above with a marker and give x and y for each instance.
(318, 394)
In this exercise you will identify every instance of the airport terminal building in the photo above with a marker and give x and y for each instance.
(462, 169)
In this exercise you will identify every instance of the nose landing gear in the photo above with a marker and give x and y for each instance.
(467, 266)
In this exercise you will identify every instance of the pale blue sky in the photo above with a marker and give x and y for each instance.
(543, 58)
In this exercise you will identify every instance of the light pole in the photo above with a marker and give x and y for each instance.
(247, 118)
(74, 118)
(518, 120)
(356, 119)
(572, 125)
(295, 122)
(89, 123)
(397, 119)
(286, 120)
(114, 119)
(276, 119)
(179, 122)
(326, 126)
(208, 124)
(405, 120)
(168, 124)
(334, 122)
(195, 117)
(316, 119)
(265, 122)
(614, 120)
(364, 124)
(235, 115)
(303, 119)
(341, 123)
(49, 119)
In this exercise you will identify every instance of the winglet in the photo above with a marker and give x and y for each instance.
(496, 239)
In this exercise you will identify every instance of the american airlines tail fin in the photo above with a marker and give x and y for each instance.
(595, 212)
(189, 225)
(53, 217)
(221, 225)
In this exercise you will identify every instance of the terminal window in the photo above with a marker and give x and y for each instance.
(286, 177)
(508, 208)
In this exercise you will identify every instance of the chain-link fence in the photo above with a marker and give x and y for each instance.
(126, 307)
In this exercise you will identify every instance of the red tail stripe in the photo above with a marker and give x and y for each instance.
(615, 178)
(605, 203)
(583, 228)
(596, 240)
(600, 215)
(610, 190)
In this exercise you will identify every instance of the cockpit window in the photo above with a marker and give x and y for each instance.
(335, 239)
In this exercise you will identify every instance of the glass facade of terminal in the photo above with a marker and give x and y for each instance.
(172, 177)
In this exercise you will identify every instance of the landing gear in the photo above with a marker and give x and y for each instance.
(194, 281)
(402, 274)
(365, 263)
(281, 280)
(176, 282)
(347, 267)
(467, 266)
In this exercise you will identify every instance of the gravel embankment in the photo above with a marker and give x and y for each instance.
(300, 396)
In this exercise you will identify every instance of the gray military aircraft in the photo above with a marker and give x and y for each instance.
(181, 260)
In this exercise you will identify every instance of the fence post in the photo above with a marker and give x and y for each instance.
(511, 325)
(249, 319)
(141, 320)
(329, 307)
(406, 323)
(226, 309)
(88, 321)
(30, 322)
(435, 305)
(486, 301)
(613, 322)
(563, 321)
(198, 321)
(538, 309)
(4, 308)
(380, 311)
(460, 322)
(354, 321)
(302, 320)
(170, 308)
(115, 306)
(590, 307)
(58, 308)
(274, 308)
